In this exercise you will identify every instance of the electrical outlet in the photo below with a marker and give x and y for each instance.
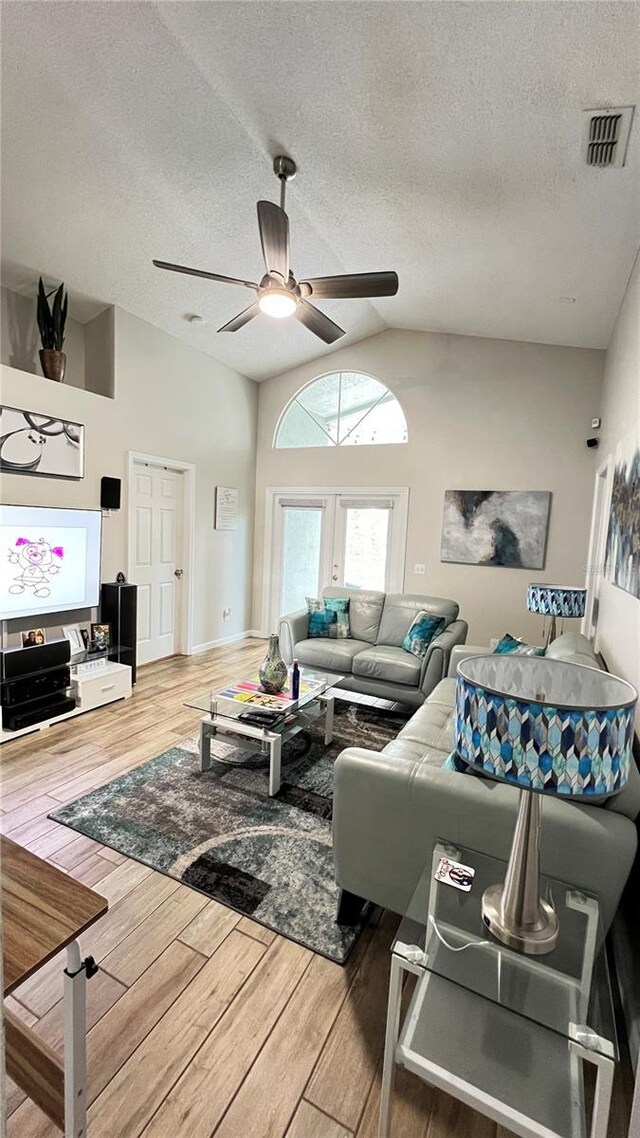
(226, 614)
(419, 570)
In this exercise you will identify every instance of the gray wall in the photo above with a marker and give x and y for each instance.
(173, 402)
(618, 629)
(482, 414)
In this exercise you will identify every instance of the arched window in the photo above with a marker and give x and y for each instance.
(344, 408)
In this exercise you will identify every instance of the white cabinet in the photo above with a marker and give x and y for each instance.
(97, 688)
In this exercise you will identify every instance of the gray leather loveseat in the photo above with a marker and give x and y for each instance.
(372, 659)
(391, 807)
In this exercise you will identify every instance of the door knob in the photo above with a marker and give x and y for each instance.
(335, 577)
(178, 573)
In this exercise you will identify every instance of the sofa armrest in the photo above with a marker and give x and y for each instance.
(436, 661)
(292, 628)
(389, 812)
(462, 652)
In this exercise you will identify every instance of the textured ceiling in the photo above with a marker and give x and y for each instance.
(442, 140)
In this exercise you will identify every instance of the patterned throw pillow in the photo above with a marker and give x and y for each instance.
(511, 646)
(424, 629)
(328, 618)
(340, 606)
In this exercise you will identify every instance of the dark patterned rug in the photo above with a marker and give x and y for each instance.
(268, 858)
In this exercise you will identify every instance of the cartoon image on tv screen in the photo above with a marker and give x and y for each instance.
(41, 569)
(37, 562)
(31, 443)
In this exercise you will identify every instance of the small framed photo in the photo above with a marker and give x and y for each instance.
(101, 635)
(33, 638)
(71, 632)
(86, 637)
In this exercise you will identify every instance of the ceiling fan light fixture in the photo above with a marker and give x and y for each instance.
(277, 302)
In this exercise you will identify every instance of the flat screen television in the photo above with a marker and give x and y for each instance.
(49, 560)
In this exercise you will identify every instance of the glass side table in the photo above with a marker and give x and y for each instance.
(504, 1033)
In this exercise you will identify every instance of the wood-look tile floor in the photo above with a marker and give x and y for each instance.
(202, 1022)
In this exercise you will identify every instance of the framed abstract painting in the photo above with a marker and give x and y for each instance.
(622, 556)
(505, 528)
(31, 443)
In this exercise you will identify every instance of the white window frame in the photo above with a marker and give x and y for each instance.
(324, 375)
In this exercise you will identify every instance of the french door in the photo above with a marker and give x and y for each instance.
(353, 538)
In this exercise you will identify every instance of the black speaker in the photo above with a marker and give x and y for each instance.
(110, 493)
(25, 661)
(119, 609)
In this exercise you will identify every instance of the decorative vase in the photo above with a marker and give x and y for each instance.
(273, 670)
(53, 364)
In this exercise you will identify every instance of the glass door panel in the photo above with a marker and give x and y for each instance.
(301, 556)
(366, 548)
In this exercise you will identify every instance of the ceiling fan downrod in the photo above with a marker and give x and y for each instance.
(284, 169)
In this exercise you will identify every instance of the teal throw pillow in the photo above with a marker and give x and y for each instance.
(423, 630)
(511, 646)
(340, 606)
(328, 618)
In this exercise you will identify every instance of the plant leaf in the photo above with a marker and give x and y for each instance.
(45, 324)
(55, 318)
(63, 318)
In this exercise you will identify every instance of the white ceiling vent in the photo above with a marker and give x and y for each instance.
(606, 135)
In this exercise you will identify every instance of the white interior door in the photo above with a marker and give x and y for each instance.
(156, 517)
(352, 538)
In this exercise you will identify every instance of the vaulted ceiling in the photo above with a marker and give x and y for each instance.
(442, 140)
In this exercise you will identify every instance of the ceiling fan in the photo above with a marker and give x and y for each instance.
(278, 293)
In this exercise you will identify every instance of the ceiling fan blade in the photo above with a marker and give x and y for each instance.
(241, 319)
(274, 235)
(352, 285)
(317, 322)
(202, 273)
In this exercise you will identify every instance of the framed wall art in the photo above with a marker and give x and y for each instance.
(31, 443)
(505, 528)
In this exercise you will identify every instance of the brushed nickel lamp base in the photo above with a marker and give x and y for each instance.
(514, 912)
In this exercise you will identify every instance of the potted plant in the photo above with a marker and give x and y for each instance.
(52, 322)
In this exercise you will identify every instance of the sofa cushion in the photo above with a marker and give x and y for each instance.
(424, 629)
(328, 617)
(365, 611)
(509, 645)
(400, 609)
(432, 725)
(386, 663)
(336, 655)
(413, 752)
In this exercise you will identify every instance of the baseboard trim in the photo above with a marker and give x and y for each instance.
(220, 643)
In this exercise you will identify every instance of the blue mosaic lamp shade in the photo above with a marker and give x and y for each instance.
(545, 725)
(557, 600)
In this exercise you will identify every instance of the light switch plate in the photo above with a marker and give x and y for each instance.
(419, 570)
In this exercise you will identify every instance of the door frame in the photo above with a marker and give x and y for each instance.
(594, 569)
(273, 493)
(188, 471)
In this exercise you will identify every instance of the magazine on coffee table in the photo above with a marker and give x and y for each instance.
(250, 692)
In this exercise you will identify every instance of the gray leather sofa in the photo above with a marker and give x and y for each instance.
(391, 807)
(372, 659)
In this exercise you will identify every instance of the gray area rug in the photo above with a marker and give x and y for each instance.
(270, 859)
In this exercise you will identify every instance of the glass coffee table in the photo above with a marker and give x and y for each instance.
(222, 715)
(507, 1034)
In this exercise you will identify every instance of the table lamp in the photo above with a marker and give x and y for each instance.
(547, 727)
(554, 601)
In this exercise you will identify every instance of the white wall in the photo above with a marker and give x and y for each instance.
(482, 414)
(618, 630)
(174, 402)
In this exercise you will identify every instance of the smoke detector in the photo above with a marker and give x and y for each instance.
(606, 134)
